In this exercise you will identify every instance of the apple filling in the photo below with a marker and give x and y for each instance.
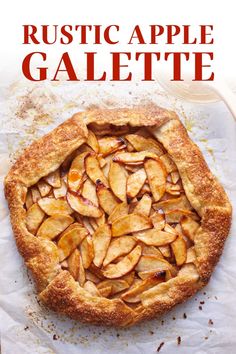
(117, 214)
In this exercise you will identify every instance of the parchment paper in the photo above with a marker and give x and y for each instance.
(204, 324)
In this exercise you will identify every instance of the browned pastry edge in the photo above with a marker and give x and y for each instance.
(58, 290)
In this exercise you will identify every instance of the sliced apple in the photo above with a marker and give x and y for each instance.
(141, 143)
(144, 206)
(119, 247)
(106, 198)
(133, 295)
(102, 161)
(133, 157)
(156, 174)
(35, 194)
(54, 225)
(158, 220)
(175, 176)
(74, 264)
(83, 206)
(76, 172)
(168, 163)
(124, 266)
(165, 251)
(96, 271)
(174, 216)
(152, 262)
(101, 219)
(117, 285)
(53, 206)
(87, 251)
(61, 191)
(117, 179)
(28, 200)
(173, 204)
(44, 187)
(170, 229)
(70, 239)
(101, 241)
(91, 288)
(189, 226)
(191, 255)
(129, 277)
(92, 277)
(135, 182)
(120, 210)
(130, 223)
(93, 223)
(155, 237)
(145, 190)
(54, 179)
(105, 292)
(92, 141)
(94, 171)
(147, 274)
(149, 250)
(108, 145)
(34, 218)
(173, 189)
(132, 168)
(89, 191)
(180, 250)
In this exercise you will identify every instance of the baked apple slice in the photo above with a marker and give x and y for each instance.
(101, 240)
(70, 239)
(34, 218)
(180, 250)
(189, 226)
(89, 191)
(83, 206)
(94, 170)
(155, 237)
(106, 198)
(117, 179)
(92, 141)
(54, 225)
(44, 188)
(135, 183)
(152, 262)
(156, 174)
(120, 210)
(76, 172)
(54, 179)
(108, 145)
(141, 143)
(133, 295)
(87, 251)
(119, 247)
(144, 205)
(133, 157)
(130, 223)
(116, 285)
(124, 266)
(53, 206)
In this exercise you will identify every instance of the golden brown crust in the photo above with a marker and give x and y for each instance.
(58, 289)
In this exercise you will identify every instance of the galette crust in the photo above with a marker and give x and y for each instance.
(56, 287)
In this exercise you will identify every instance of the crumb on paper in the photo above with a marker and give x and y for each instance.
(160, 346)
(184, 316)
(179, 340)
(210, 322)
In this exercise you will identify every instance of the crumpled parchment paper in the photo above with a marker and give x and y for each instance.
(204, 324)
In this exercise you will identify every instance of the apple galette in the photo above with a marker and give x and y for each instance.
(117, 215)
